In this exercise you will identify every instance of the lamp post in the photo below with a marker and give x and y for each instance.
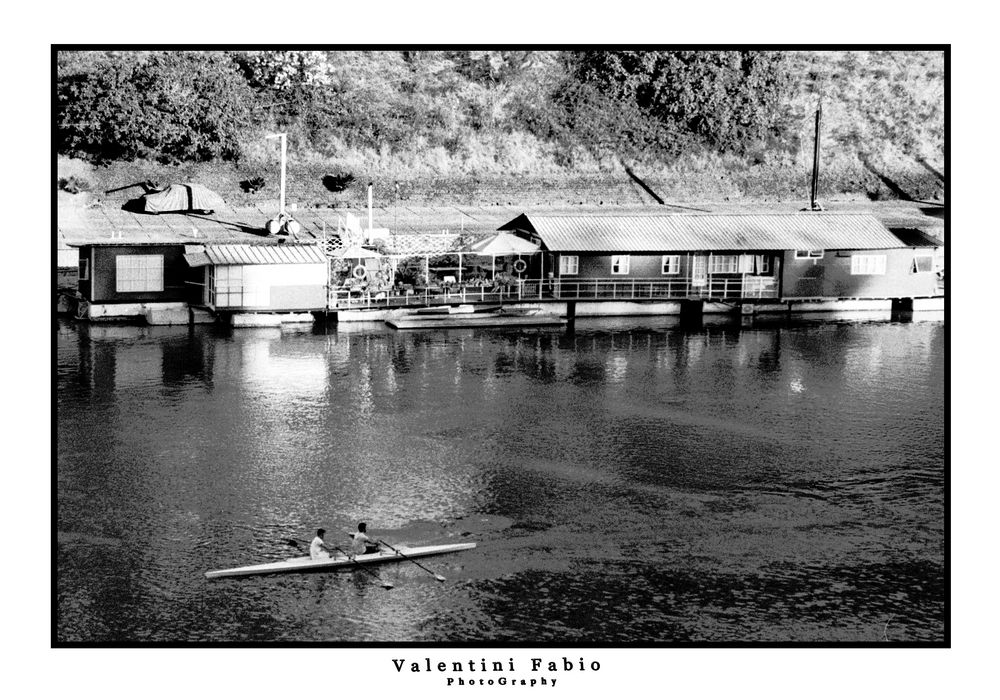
(284, 154)
(284, 222)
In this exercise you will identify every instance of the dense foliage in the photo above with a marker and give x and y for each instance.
(725, 100)
(172, 106)
(518, 110)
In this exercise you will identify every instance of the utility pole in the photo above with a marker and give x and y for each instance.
(814, 205)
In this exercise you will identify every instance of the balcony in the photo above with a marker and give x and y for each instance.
(564, 289)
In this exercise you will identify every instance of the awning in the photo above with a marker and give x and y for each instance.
(502, 243)
(255, 255)
(356, 252)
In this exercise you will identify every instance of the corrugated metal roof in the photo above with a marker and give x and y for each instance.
(672, 232)
(262, 254)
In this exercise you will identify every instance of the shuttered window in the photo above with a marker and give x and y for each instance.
(139, 273)
(923, 263)
(867, 264)
(569, 264)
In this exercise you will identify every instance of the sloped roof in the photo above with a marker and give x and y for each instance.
(254, 255)
(671, 232)
(916, 238)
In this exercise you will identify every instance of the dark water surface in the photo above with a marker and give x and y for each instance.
(628, 481)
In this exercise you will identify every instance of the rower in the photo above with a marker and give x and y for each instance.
(362, 543)
(318, 548)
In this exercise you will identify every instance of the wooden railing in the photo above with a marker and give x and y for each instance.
(623, 289)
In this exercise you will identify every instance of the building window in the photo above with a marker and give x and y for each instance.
(671, 264)
(619, 264)
(84, 269)
(867, 264)
(720, 264)
(228, 285)
(806, 254)
(923, 262)
(138, 273)
(569, 264)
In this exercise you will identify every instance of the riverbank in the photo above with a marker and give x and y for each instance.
(726, 180)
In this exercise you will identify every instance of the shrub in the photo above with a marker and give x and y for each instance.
(73, 184)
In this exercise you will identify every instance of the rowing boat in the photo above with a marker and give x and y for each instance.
(310, 564)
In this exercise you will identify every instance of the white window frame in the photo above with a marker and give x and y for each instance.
(931, 266)
(228, 286)
(868, 264)
(569, 264)
(138, 273)
(723, 264)
(808, 254)
(622, 262)
(670, 265)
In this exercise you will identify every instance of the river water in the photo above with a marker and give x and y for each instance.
(627, 481)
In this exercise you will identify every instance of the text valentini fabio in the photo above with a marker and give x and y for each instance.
(473, 667)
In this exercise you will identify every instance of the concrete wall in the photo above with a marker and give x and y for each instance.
(830, 276)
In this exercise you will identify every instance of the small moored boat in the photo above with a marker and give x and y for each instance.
(310, 564)
(459, 309)
(504, 317)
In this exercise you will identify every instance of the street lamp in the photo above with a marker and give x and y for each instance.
(284, 221)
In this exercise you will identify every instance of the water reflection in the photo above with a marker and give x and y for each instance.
(785, 478)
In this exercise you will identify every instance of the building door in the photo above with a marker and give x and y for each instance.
(699, 271)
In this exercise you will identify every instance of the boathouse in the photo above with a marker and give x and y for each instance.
(175, 268)
(133, 273)
(238, 278)
(729, 257)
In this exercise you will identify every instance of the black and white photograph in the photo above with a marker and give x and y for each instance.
(496, 362)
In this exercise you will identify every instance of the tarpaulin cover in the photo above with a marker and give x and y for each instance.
(179, 198)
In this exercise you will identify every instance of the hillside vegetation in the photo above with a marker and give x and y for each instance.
(533, 127)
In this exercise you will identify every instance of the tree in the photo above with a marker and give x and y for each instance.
(171, 106)
(724, 99)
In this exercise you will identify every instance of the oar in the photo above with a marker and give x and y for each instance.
(439, 577)
(385, 584)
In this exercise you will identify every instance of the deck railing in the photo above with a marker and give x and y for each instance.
(744, 287)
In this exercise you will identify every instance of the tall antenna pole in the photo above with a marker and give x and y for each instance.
(814, 205)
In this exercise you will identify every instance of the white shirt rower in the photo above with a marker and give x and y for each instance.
(317, 548)
(361, 540)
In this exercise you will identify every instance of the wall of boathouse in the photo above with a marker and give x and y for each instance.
(831, 276)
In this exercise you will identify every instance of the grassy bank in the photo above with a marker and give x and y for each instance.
(424, 183)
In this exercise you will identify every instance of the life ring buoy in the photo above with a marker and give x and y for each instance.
(520, 266)
(360, 272)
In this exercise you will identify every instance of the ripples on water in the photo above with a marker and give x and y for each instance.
(627, 482)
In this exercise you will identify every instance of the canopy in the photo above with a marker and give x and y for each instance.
(503, 243)
(177, 198)
(357, 252)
